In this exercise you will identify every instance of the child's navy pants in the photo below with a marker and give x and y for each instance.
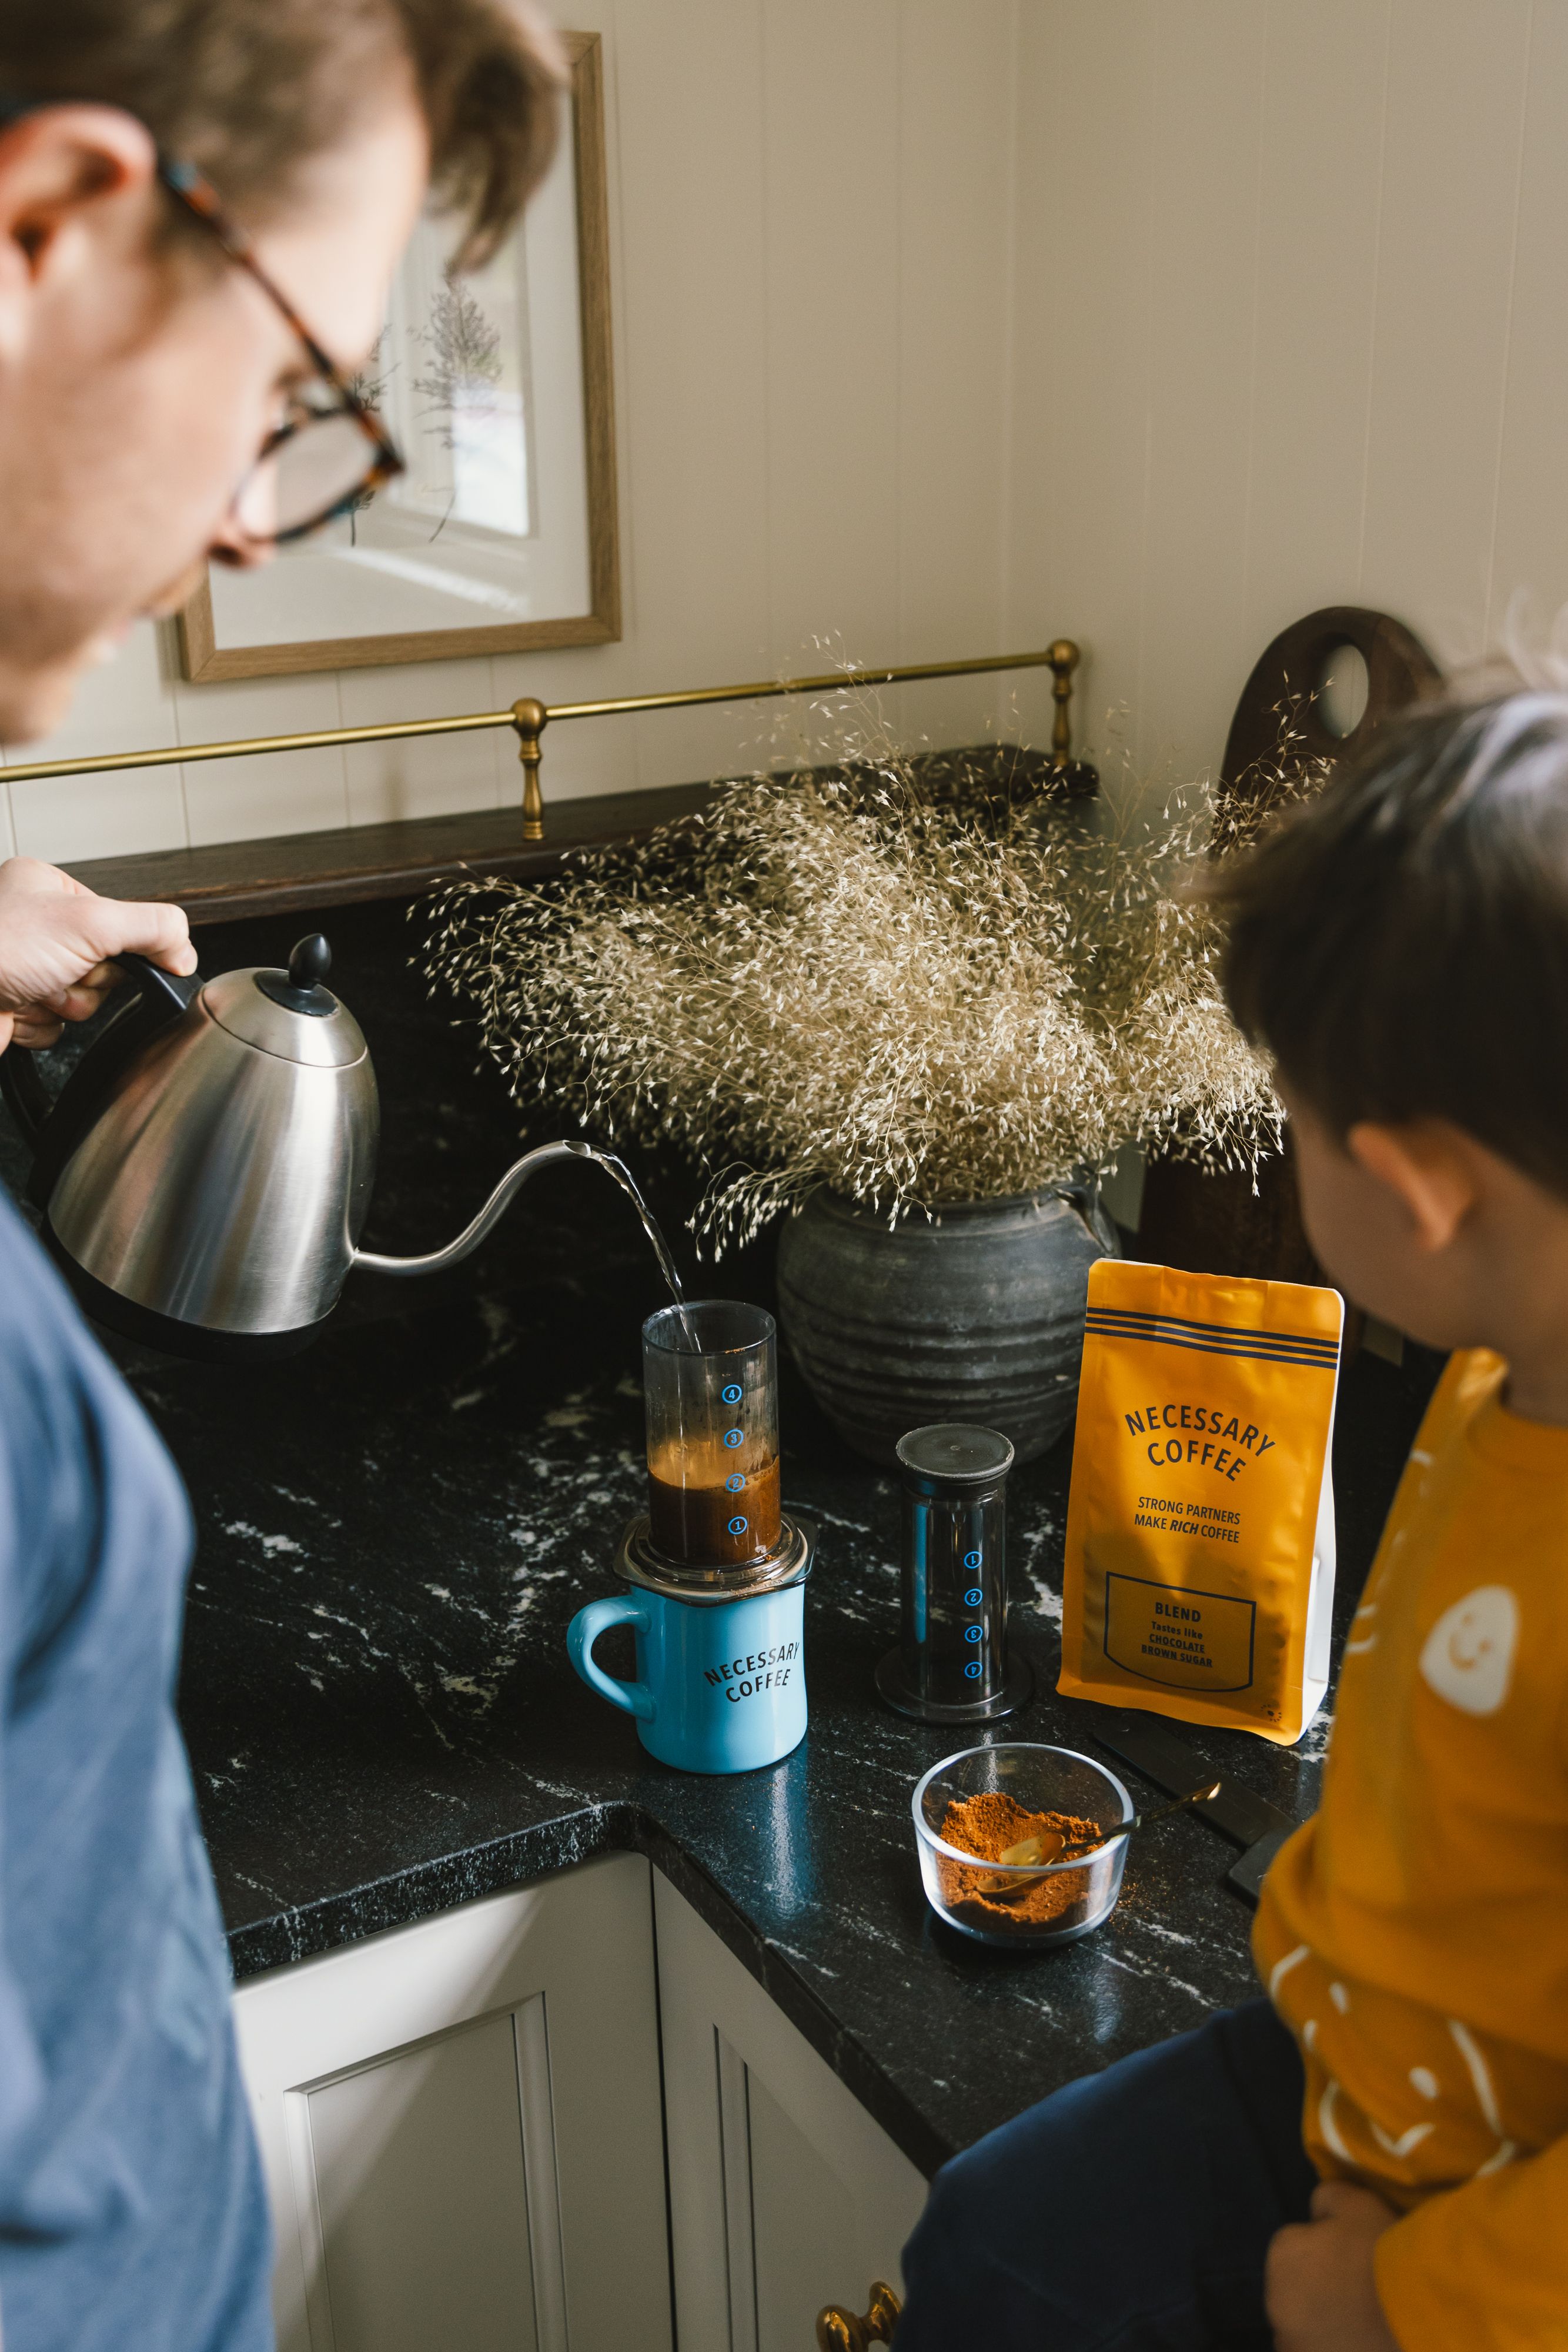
(1130, 2212)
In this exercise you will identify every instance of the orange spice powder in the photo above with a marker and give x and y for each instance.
(985, 1826)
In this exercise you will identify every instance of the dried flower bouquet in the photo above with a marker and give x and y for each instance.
(913, 979)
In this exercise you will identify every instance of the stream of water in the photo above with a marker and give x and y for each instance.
(629, 1185)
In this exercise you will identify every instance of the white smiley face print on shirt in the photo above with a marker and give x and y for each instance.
(1468, 1656)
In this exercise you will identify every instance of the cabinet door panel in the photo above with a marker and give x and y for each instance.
(784, 2194)
(806, 2226)
(461, 2127)
(418, 2169)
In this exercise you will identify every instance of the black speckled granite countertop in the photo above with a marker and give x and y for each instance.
(395, 1528)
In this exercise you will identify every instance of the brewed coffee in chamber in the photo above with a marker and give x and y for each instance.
(710, 1387)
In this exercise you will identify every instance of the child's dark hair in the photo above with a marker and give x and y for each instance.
(1400, 944)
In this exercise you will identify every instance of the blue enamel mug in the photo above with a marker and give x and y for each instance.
(720, 1684)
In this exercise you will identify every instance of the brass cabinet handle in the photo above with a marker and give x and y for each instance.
(840, 2331)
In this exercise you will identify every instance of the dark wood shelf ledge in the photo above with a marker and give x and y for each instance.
(296, 871)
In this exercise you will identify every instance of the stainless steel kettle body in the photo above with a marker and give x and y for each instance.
(205, 1172)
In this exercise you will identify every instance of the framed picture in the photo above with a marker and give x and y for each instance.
(497, 387)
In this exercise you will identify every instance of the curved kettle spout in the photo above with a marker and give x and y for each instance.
(494, 1210)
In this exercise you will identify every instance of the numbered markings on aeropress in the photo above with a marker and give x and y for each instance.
(974, 1599)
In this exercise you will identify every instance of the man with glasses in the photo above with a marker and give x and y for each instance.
(201, 203)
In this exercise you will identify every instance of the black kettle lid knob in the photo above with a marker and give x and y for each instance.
(310, 962)
(301, 988)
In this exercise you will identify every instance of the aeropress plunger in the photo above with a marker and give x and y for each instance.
(951, 1661)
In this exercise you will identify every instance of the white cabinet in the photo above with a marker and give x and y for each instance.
(460, 2124)
(784, 2194)
(465, 2150)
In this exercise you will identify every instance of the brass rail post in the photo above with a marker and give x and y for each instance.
(1063, 660)
(530, 718)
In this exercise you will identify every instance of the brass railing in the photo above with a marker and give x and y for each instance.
(529, 717)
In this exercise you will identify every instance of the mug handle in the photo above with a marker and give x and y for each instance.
(633, 1698)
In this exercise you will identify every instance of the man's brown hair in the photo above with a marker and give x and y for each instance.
(251, 91)
(1400, 944)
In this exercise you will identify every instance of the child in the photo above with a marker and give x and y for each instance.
(1377, 2154)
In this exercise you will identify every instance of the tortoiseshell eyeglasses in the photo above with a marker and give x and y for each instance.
(330, 453)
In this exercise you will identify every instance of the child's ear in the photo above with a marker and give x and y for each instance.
(1423, 1164)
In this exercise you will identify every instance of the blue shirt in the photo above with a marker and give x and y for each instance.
(131, 2210)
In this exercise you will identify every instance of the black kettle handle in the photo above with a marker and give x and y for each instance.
(27, 1098)
(163, 991)
(54, 1124)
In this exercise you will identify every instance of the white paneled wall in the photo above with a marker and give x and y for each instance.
(811, 216)
(1292, 322)
(946, 325)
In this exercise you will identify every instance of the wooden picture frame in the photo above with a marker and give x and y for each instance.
(202, 657)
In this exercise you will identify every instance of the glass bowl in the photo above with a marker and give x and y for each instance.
(1044, 1903)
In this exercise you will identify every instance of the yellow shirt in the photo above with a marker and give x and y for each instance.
(1414, 1934)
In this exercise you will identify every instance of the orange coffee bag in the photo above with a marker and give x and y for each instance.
(1200, 1544)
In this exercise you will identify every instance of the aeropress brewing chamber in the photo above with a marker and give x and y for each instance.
(951, 1661)
(713, 1530)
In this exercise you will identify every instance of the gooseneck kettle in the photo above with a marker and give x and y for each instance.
(203, 1174)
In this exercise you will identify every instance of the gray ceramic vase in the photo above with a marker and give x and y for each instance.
(975, 1315)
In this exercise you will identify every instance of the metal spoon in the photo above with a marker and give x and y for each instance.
(1034, 1849)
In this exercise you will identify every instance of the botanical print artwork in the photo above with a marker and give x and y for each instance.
(462, 406)
(462, 426)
